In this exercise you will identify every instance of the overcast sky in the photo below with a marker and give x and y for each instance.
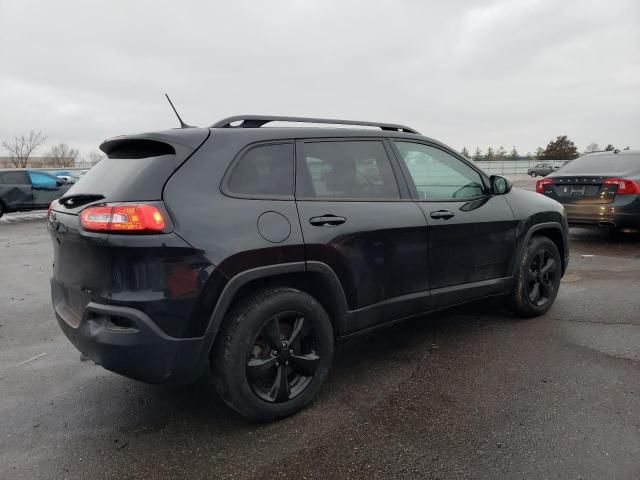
(469, 73)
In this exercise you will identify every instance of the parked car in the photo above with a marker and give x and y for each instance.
(541, 170)
(599, 189)
(251, 251)
(23, 190)
(69, 179)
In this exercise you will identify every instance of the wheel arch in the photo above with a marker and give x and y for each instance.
(555, 233)
(314, 278)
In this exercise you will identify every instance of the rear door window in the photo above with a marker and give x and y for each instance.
(13, 178)
(354, 169)
(263, 171)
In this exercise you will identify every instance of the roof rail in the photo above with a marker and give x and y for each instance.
(256, 121)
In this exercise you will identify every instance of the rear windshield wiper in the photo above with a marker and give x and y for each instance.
(73, 201)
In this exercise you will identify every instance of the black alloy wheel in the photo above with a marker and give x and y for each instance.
(273, 353)
(283, 358)
(541, 277)
(537, 279)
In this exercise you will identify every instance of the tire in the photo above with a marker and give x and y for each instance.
(540, 265)
(250, 356)
(1, 209)
(534, 174)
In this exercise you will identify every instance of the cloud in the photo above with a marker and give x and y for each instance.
(466, 72)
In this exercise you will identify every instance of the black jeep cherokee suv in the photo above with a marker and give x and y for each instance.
(251, 250)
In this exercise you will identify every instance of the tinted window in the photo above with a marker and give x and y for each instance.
(13, 178)
(264, 170)
(606, 164)
(39, 179)
(349, 169)
(439, 175)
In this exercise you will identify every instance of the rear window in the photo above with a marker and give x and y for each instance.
(602, 163)
(134, 170)
(264, 171)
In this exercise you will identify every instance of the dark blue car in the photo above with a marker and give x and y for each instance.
(24, 189)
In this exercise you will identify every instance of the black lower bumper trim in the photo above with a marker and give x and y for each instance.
(126, 341)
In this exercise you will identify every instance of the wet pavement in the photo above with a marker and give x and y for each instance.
(468, 393)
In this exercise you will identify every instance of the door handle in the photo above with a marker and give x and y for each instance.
(327, 220)
(444, 214)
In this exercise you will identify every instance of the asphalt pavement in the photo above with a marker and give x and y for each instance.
(468, 393)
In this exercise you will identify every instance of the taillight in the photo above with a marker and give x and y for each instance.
(625, 185)
(541, 183)
(123, 218)
(50, 211)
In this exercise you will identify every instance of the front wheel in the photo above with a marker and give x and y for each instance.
(273, 353)
(533, 174)
(537, 280)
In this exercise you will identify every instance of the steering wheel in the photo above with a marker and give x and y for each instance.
(473, 185)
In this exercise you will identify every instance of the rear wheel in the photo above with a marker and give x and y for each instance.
(1, 209)
(273, 354)
(538, 279)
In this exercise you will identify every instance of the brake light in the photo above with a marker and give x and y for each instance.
(50, 211)
(123, 218)
(541, 183)
(625, 185)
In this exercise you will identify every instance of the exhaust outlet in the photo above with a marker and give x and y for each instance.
(607, 224)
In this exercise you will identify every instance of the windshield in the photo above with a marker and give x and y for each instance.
(603, 163)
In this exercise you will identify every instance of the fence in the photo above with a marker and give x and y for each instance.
(494, 167)
(513, 167)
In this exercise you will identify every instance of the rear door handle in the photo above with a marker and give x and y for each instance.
(444, 214)
(327, 221)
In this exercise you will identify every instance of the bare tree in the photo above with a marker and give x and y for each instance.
(62, 155)
(592, 147)
(94, 157)
(21, 148)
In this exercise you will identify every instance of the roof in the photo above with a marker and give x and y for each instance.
(611, 152)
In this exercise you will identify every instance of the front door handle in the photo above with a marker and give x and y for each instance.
(444, 214)
(327, 220)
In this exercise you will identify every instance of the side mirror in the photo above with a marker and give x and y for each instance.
(500, 185)
(60, 181)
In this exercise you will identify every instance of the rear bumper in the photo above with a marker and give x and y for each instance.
(126, 341)
(614, 214)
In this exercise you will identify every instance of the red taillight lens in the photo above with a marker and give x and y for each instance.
(123, 218)
(625, 186)
(49, 212)
(541, 183)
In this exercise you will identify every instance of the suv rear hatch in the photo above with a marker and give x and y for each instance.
(123, 268)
